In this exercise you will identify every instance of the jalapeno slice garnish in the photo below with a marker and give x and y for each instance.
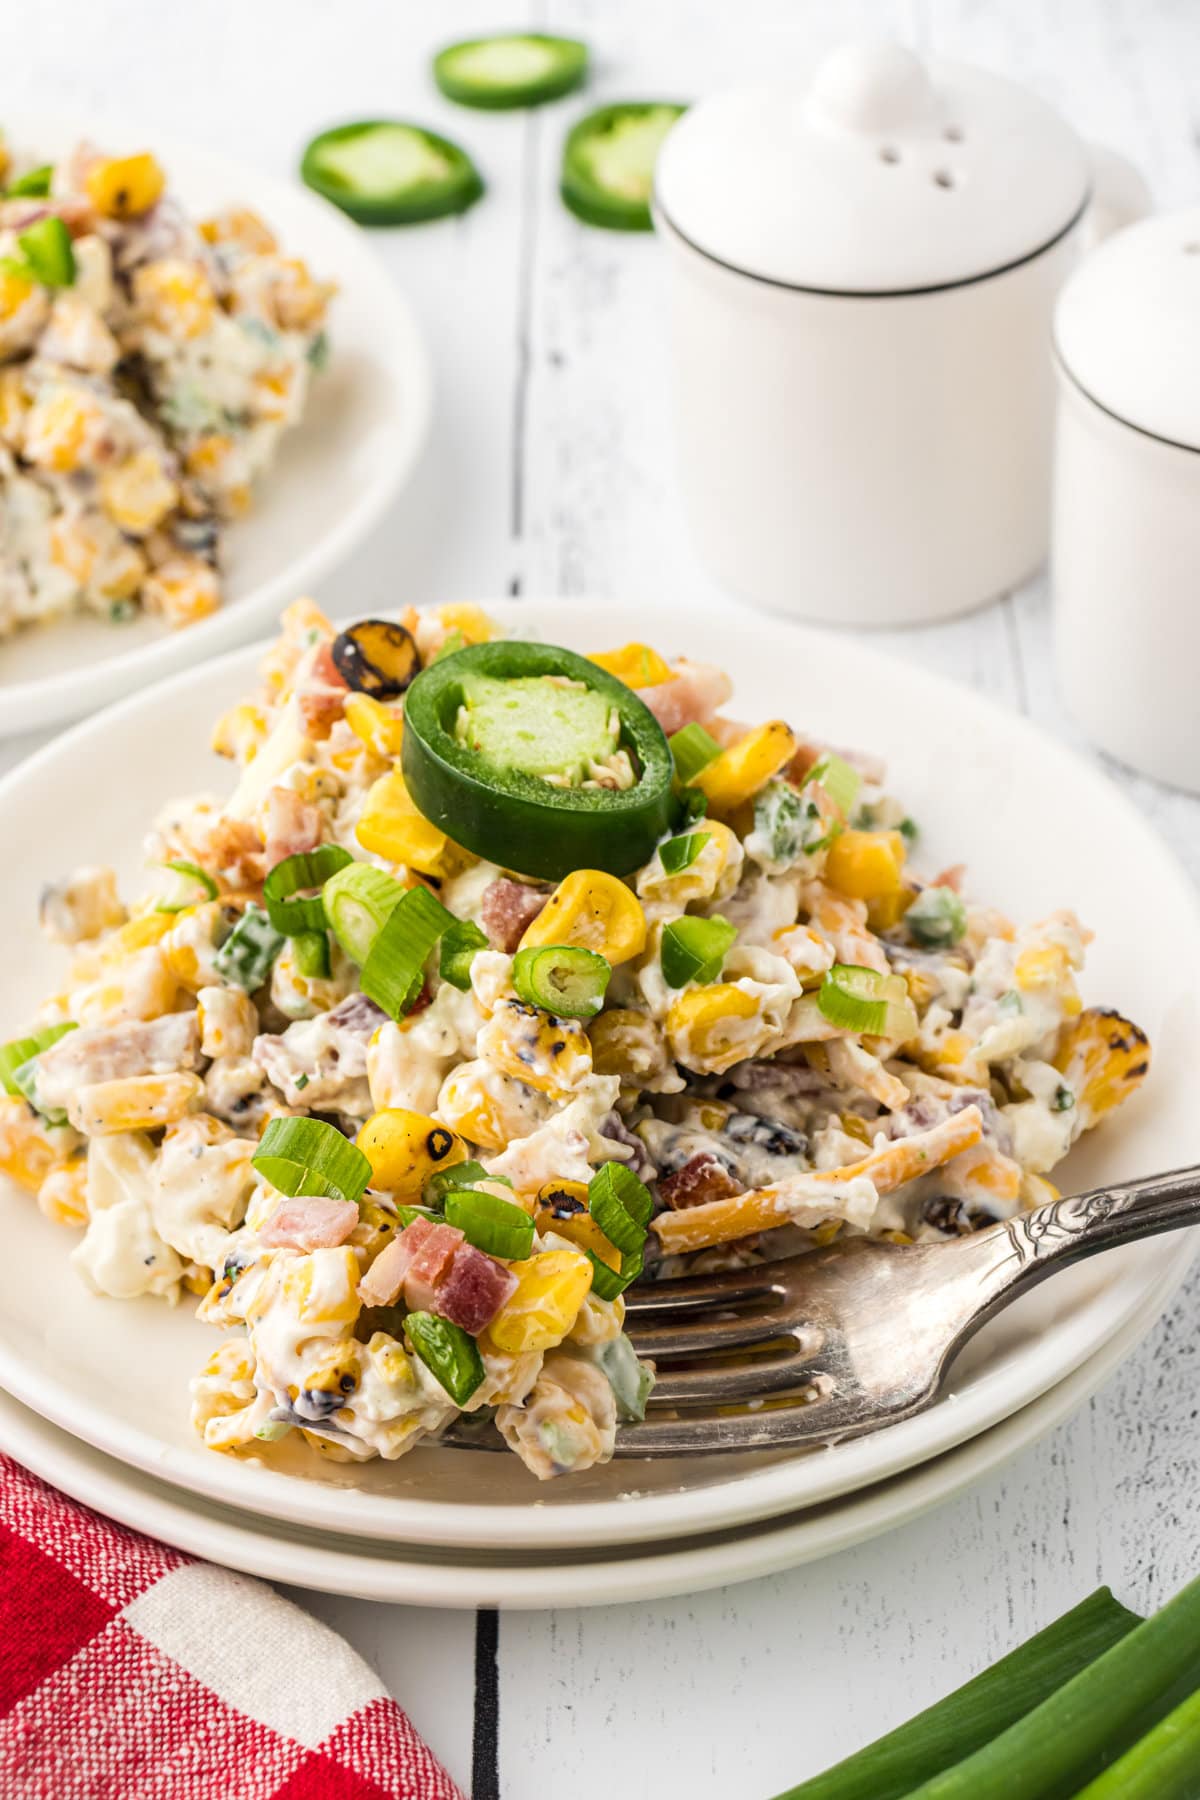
(538, 760)
(387, 172)
(376, 657)
(523, 68)
(608, 163)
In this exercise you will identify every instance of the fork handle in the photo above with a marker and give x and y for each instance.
(1067, 1230)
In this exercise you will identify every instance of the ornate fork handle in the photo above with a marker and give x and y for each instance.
(1083, 1224)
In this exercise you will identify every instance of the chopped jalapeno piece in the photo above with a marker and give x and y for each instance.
(608, 163)
(679, 853)
(376, 657)
(49, 253)
(695, 949)
(386, 172)
(520, 69)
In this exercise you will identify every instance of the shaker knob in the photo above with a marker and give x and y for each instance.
(871, 87)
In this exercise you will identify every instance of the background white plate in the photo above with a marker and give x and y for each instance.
(1039, 828)
(373, 1569)
(336, 473)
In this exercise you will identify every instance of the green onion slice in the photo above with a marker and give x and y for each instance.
(839, 780)
(695, 949)
(448, 1352)
(461, 944)
(15, 1055)
(693, 749)
(248, 954)
(394, 972)
(308, 1156)
(937, 918)
(564, 979)
(864, 1001)
(1160, 1766)
(358, 902)
(631, 1381)
(610, 1284)
(33, 185)
(287, 909)
(500, 1227)
(679, 853)
(311, 951)
(182, 894)
(49, 252)
(406, 1214)
(621, 1206)
(459, 1175)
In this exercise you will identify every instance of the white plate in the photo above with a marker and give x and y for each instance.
(1040, 827)
(336, 473)
(372, 1569)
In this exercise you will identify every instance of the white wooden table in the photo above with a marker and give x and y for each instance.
(550, 471)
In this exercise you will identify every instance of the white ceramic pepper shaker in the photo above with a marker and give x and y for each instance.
(864, 272)
(1127, 497)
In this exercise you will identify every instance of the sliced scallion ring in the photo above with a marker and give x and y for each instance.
(610, 1284)
(394, 972)
(358, 902)
(460, 1175)
(407, 1214)
(839, 780)
(692, 749)
(518, 69)
(937, 918)
(866, 1002)
(500, 1227)
(308, 1156)
(248, 954)
(679, 853)
(191, 887)
(283, 890)
(19, 1052)
(695, 949)
(563, 979)
(461, 944)
(608, 163)
(621, 1206)
(388, 172)
(311, 952)
(448, 1352)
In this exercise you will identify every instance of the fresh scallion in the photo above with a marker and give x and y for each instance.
(33, 185)
(610, 1284)
(695, 949)
(311, 952)
(406, 1214)
(500, 1227)
(48, 252)
(461, 944)
(191, 886)
(308, 1156)
(974, 1714)
(17, 1056)
(459, 1175)
(629, 1379)
(358, 901)
(679, 853)
(691, 805)
(936, 919)
(247, 956)
(1162, 1765)
(394, 972)
(621, 1206)
(284, 889)
(864, 1001)
(448, 1352)
(563, 979)
(693, 749)
(840, 781)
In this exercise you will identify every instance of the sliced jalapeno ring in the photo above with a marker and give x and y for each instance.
(387, 172)
(376, 657)
(517, 69)
(608, 163)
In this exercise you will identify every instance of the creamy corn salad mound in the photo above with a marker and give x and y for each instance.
(758, 1115)
(149, 367)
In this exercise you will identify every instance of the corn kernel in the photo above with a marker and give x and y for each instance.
(471, 622)
(551, 1055)
(62, 1197)
(628, 1044)
(635, 664)
(550, 1290)
(380, 729)
(121, 187)
(866, 865)
(15, 290)
(322, 1288)
(550, 1214)
(242, 227)
(61, 426)
(1103, 1058)
(703, 1025)
(175, 297)
(182, 590)
(391, 826)
(134, 1103)
(405, 1148)
(594, 910)
(239, 732)
(138, 493)
(26, 1154)
(738, 773)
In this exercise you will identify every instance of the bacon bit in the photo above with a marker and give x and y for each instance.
(293, 825)
(474, 1290)
(952, 877)
(430, 1265)
(382, 1282)
(507, 910)
(322, 701)
(235, 850)
(702, 1178)
(310, 1222)
(692, 695)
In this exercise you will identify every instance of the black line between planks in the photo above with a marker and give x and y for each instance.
(485, 1753)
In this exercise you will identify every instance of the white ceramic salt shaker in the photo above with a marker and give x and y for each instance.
(864, 271)
(1126, 559)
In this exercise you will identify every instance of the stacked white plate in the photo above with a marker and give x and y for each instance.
(1039, 829)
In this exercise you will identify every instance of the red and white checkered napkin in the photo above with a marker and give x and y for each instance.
(129, 1671)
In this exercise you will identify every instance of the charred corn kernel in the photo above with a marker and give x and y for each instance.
(27, 1154)
(735, 776)
(635, 664)
(239, 732)
(1103, 1058)
(866, 865)
(470, 621)
(62, 1197)
(333, 1369)
(174, 296)
(182, 590)
(629, 1044)
(405, 1148)
(474, 1102)
(391, 826)
(550, 1290)
(15, 290)
(239, 226)
(134, 1103)
(703, 1024)
(321, 1288)
(554, 1056)
(61, 425)
(594, 910)
(380, 729)
(138, 493)
(561, 1206)
(121, 187)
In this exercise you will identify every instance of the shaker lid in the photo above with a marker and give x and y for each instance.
(1127, 328)
(885, 174)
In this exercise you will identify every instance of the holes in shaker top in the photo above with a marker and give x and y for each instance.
(944, 178)
(889, 154)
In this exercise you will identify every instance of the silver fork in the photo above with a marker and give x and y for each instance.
(861, 1334)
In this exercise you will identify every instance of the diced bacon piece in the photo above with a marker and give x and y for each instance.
(428, 1267)
(507, 910)
(953, 877)
(474, 1290)
(310, 1222)
(292, 825)
(322, 700)
(382, 1283)
(692, 695)
(702, 1178)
